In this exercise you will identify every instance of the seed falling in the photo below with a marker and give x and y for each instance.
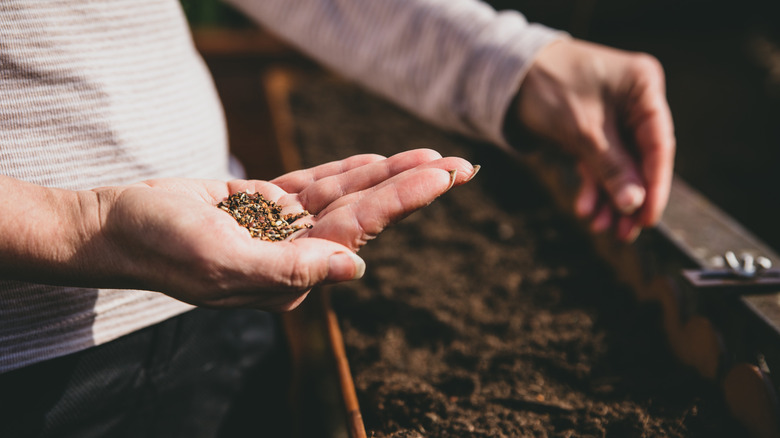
(262, 217)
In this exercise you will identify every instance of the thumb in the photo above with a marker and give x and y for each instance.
(307, 262)
(285, 272)
(344, 266)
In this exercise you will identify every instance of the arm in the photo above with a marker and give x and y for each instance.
(456, 63)
(167, 235)
(461, 64)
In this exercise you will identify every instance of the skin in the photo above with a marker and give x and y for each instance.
(608, 109)
(167, 235)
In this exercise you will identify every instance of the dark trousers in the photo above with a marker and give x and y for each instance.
(207, 373)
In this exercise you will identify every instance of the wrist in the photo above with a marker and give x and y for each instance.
(515, 133)
(529, 110)
(39, 231)
(52, 236)
(92, 257)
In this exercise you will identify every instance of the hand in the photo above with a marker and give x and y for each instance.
(167, 235)
(608, 108)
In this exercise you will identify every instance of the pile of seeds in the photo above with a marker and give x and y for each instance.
(263, 218)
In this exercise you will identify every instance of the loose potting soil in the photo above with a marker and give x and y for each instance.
(487, 314)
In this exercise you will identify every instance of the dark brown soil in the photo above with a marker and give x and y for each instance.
(487, 314)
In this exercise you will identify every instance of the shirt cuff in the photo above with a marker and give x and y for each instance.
(504, 63)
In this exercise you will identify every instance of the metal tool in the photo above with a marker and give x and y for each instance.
(741, 275)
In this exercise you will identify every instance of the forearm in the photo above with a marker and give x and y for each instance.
(457, 63)
(47, 235)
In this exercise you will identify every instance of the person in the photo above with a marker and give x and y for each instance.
(468, 68)
(100, 272)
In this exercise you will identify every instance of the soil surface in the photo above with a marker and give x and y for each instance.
(487, 314)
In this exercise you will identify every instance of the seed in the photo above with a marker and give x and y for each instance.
(261, 216)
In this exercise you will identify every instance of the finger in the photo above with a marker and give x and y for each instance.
(323, 192)
(616, 171)
(296, 181)
(463, 172)
(654, 136)
(304, 263)
(279, 275)
(587, 198)
(627, 229)
(269, 191)
(602, 220)
(355, 223)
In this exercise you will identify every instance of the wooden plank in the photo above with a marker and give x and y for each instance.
(254, 91)
(354, 418)
(254, 95)
(714, 334)
(321, 365)
(241, 43)
(705, 332)
(703, 231)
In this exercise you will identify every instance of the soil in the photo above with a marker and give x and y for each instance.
(487, 313)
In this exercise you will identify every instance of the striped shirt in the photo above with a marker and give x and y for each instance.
(455, 63)
(110, 92)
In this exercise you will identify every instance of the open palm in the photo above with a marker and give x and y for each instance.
(167, 235)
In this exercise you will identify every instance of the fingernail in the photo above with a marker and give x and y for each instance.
(474, 172)
(602, 220)
(629, 198)
(345, 266)
(583, 207)
(599, 225)
(453, 174)
(628, 230)
(632, 235)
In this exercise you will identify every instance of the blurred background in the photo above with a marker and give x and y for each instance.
(722, 61)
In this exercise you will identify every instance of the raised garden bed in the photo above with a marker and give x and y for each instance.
(556, 347)
(488, 313)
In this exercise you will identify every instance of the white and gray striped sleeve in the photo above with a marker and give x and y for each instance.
(456, 63)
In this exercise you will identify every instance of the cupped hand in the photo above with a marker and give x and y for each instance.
(167, 235)
(608, 108)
